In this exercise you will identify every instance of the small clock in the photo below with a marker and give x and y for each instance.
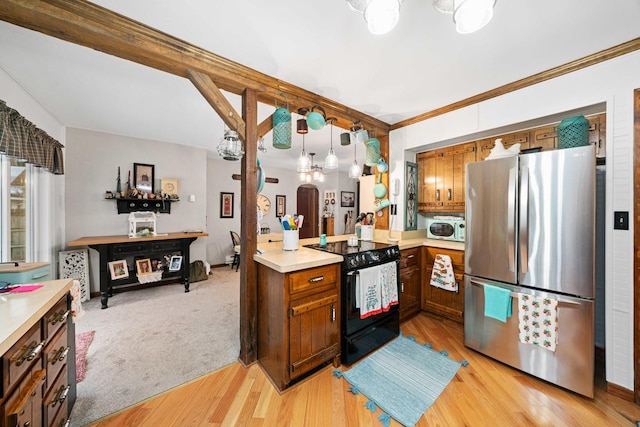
(264, 204)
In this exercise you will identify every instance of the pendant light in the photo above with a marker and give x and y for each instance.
(331, 161)
(301, 124)
(230, 146)
(472, 15)
(304, 162)
(382, 15)
(354, 170)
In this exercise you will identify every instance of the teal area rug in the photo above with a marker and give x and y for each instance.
(403, 378)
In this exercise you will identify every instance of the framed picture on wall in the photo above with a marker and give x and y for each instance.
(143, 177)
(226, 205)
(411, 196)
(281, 205)
(347, 199)
(118, 269)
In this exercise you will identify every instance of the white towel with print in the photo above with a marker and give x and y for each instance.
(538, 321)
(442, 274)
(389, 285)
(368, 295)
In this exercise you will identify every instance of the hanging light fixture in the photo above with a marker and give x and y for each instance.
(354, 170)
(331, 161)
(261, 146)
(468, 15)
(230, 146)
(381, 15)
(314, 173)
(304, 162)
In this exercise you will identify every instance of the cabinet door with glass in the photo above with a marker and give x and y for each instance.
(14, 204)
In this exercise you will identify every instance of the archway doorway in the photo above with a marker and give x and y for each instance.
(307, 198)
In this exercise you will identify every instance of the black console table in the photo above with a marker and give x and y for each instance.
(113, 248)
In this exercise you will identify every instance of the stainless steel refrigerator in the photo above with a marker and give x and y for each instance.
(530, 224)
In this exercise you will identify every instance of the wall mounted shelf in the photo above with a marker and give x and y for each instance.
(126, 206)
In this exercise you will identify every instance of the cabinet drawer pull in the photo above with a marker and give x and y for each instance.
(30, 353)
(409, 256)
(61, 395)
(449, 194)
(437, 195)
(333, 313)
(316, 279)
(59, 355)
(61, 316)
(402, 287)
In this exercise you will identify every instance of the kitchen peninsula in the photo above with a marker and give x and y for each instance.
(113, 248)
(300, 302)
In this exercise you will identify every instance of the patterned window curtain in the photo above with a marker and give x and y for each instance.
(22, 139)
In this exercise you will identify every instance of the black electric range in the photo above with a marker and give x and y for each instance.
(362, 335)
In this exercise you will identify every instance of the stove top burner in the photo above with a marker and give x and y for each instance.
(365, 254)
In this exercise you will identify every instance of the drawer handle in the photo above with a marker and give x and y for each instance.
(409, 256)
(437, 195)
(449, 194)
(61, 316)
(333, 313)
(316, 279)
(41, 275)
(61, 395)
(31, 352)
(402, 287)
(60, 355)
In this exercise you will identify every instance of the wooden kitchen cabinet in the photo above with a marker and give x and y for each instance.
(442, 175)
(443, 304)
(38, 372)
(410, 283)
(484, 146)
(298, 321)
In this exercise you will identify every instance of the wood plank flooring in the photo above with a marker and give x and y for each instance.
(485, 393)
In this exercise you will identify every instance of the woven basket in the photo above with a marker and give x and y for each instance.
(573, 132)
(282, 125)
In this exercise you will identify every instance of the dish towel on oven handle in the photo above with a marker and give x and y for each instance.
(389, 285)
(538, 321)
(368, 292)
(442, 274)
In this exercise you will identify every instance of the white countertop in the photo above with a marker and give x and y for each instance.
(283, 261)
(20, 311)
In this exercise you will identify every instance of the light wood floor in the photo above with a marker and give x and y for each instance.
(485, 393)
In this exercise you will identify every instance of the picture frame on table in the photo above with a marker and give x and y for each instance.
(176, 263)
(226, 205)
(119, 269)
(143, 177)
(143, 266)
(411, 196)
(347, 199)
(281, 205)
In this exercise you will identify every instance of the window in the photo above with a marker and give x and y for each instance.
(16, 227)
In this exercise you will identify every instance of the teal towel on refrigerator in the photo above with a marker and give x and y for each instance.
(497, 302)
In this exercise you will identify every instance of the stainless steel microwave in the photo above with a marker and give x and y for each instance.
(447, 228)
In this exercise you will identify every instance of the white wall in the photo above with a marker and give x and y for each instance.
(611, 82)
(91, 163)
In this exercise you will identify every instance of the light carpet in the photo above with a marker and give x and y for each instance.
(403, 378)
(151, 340)
(83, 341)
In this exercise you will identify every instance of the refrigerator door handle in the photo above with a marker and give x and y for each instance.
(511, 218)
(515, 294)
(524, 220)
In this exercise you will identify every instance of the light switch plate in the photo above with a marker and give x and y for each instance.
(192, 197)
(620, 220)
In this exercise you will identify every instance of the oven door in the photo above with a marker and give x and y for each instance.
(351, 321)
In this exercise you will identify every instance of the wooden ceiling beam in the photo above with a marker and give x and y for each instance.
(93, 26)
(219, 102)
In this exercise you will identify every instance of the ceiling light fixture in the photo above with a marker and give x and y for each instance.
(354, 170)
(304, 162)
(315, 172)
(468, 15)
(381, 15)
(331, 161)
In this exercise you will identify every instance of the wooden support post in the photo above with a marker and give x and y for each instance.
(248, 234)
